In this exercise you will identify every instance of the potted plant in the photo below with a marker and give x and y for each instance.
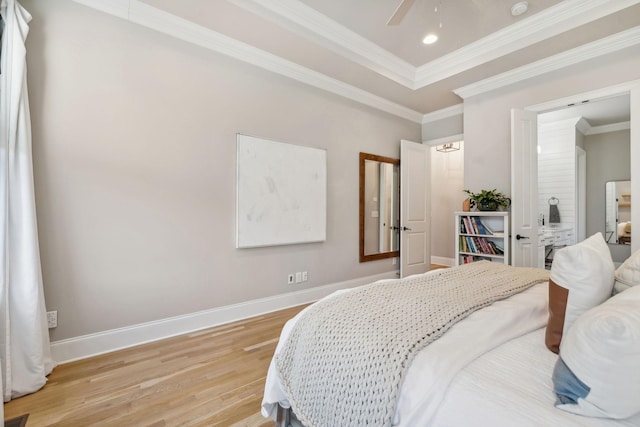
(488, 200)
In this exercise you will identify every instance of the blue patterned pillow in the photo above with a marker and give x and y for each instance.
(567, 386)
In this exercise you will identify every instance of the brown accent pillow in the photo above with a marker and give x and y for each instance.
(582, 277)
(557, 308)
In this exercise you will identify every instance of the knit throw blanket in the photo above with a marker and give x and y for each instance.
(346, 357)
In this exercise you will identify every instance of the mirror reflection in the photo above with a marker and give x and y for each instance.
(379, 207)
(618, 212)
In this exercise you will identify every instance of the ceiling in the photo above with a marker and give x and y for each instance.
(347, 45)
(602, 112)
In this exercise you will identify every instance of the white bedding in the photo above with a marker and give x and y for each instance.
(426, 398)
(511, 385)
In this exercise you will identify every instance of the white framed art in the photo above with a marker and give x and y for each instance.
(281, 193)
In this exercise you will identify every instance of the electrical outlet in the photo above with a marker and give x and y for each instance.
(52, 319)
(394, 261)
(290, 279)
(298, 277)
(305, 276)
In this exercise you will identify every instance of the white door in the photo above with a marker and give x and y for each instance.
(635, 159)
(524, 188)
(415, 208)
(581, 193)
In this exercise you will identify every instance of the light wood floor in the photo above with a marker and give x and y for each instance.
(213, 377)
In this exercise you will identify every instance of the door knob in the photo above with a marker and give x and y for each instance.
(405, 228)
(518, 237)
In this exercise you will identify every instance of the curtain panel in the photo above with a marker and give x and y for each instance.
(24, 338)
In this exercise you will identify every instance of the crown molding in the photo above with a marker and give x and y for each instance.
(613, 127)
(586, 129)
(454, 110)
(613, 43)
(153, 18)
(148, 16)
(583, 125)
(549, 22)
(302, 19)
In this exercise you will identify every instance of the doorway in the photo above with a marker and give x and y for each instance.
(526, 202)
(447, 183)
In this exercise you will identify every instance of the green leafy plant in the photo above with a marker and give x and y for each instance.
(488, 200)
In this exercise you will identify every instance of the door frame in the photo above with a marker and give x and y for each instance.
(631, 88)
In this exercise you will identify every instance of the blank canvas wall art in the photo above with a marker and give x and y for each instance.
(281, 193)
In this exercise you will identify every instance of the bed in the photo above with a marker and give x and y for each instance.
(492, 368)
(624, 233)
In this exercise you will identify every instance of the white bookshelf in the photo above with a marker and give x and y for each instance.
(482, 236)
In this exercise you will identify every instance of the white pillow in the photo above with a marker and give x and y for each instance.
(581, 278)
(598, 372)
(628, 274)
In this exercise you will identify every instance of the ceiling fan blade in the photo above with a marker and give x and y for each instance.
(400, 12)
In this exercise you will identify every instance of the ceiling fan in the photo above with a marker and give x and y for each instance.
(400, 12)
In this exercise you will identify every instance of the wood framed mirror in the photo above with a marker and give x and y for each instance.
(379, 207)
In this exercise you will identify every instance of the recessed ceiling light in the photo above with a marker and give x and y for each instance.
(519, 8)
(430, 39)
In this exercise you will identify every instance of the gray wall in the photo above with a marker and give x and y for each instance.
(607, 160)
(134, 137)
(442, 128)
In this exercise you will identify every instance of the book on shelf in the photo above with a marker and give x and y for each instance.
(497, 249)
(468, 259)
(480, 245)
(474, 225)
(470, 246)
(466, 225)
(463, 244)
(483, 228)
(485, 246)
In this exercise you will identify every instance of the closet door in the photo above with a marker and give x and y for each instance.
(415, 208)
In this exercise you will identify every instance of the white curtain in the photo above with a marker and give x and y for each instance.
(24, 338)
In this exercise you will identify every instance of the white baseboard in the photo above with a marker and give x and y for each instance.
(449, 262)
(71, 349)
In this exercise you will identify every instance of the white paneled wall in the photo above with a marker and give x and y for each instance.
(557, 170)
